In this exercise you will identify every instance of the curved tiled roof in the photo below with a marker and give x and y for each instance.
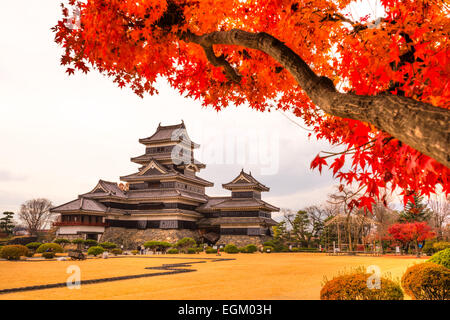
(245, 180)
(81, 204)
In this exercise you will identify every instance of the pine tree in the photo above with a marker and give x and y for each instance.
(415, 211)
(6, 223)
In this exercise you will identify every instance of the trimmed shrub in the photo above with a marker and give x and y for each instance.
(354, 287)
(90, 243)
(48, 255)
(151, 244)
(211, 250)
(442, 245)
(251, 248)
(172, 251)
(62, 242)
(50, 247)
(134, 252)
(185, 243)
(95, 250)
(231, 248)
(295, 249)
(191, 251)
(267, 249)
(427, 281)
(33, 245)
(108, 245)
(441, 257)
(116, 251)
(242, 250)
(78, 241)
(13, 252)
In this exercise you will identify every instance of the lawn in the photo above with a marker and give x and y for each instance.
(249, 276)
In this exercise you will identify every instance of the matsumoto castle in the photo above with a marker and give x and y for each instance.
(165, 200)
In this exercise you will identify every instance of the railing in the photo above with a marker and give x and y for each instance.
(79, 223)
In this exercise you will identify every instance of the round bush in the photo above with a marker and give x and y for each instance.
(78, 241)
(251, 248)
(96, 250)
(267, 249)
(134, 252)
(211, 250)
(116, 251)
(90, 243)
(108, 245)
(191, 250)
(33, 245)
(427, 281)
(243, 250)
(441, 257)
(53, 247)
(354, 287)
(48, 255)
(231, 248)
(172, 251)
(13, 252)
(61, 241)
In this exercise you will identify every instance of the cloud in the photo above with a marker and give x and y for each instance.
(9, 176)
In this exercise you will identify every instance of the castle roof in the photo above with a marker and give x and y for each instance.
(81, 204)
(228, 203)
(167, 134)
(205, 222)
(245, 181)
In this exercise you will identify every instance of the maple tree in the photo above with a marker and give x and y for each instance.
(411, 232)
(379, 88)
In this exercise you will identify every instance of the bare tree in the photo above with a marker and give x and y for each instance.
(35, 214)
(440, 213)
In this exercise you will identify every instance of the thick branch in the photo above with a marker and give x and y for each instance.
(422, 126)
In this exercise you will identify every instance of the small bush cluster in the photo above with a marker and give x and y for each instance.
(134, 252)
(191, 250)
(250, 248)
(231, 248)
(116, 251)
(33, 245)
(13, 252)
(211, 250)
(441, 257)
(50, 247)
(108, 245)
(48, 255)
(354, 287)
(95, 250)
(172, 251)
(427, 281)
(432, 247)
(157, 245)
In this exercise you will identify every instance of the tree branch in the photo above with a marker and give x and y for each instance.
(422, 126)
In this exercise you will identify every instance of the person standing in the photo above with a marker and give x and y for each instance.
(139, 249)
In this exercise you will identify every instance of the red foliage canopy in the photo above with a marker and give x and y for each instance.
(411, 232)
(405, 53)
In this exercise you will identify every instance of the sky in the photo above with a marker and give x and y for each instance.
(59, 135)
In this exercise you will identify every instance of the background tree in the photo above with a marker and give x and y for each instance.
(440, 214)
(411, 232)
(7, 223)
(415, 210)
(35, 214)
(377, 86)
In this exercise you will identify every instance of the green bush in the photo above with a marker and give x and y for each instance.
(428, 248)
(116, 251)
(427, 281)
(151, 244)
(90, 243)
(78, 241)
(191, 251)
(354, 287)
(134, 252)
(211, 250)
(172, 251)
(95, 250)
(53, 247)
(33, 245)
(108, 245)
(267, 249)
(48, 255)
(62, 242)
(13, 252)
(231, 248)
(441, 257)
(251, 248)
(185, 243)
(295, 249)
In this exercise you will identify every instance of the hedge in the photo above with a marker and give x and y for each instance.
(231, 248)
(172, 251)
(427, 281)
(13, 252)
(95, 250)
(53, 247)
(441, 257)
(354, 287)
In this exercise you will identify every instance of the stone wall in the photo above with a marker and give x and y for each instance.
(242, 241)
(131, 238)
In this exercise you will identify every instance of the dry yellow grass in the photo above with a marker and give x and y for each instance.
(250, 276)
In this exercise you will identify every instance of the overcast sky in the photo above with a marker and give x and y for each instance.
(59, 135)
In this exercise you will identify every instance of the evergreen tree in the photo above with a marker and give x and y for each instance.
(6, 223)
(415, 211)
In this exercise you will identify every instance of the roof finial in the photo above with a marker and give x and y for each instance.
(242, 170)
(159, 125)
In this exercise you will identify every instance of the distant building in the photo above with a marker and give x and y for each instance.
(165, 200)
